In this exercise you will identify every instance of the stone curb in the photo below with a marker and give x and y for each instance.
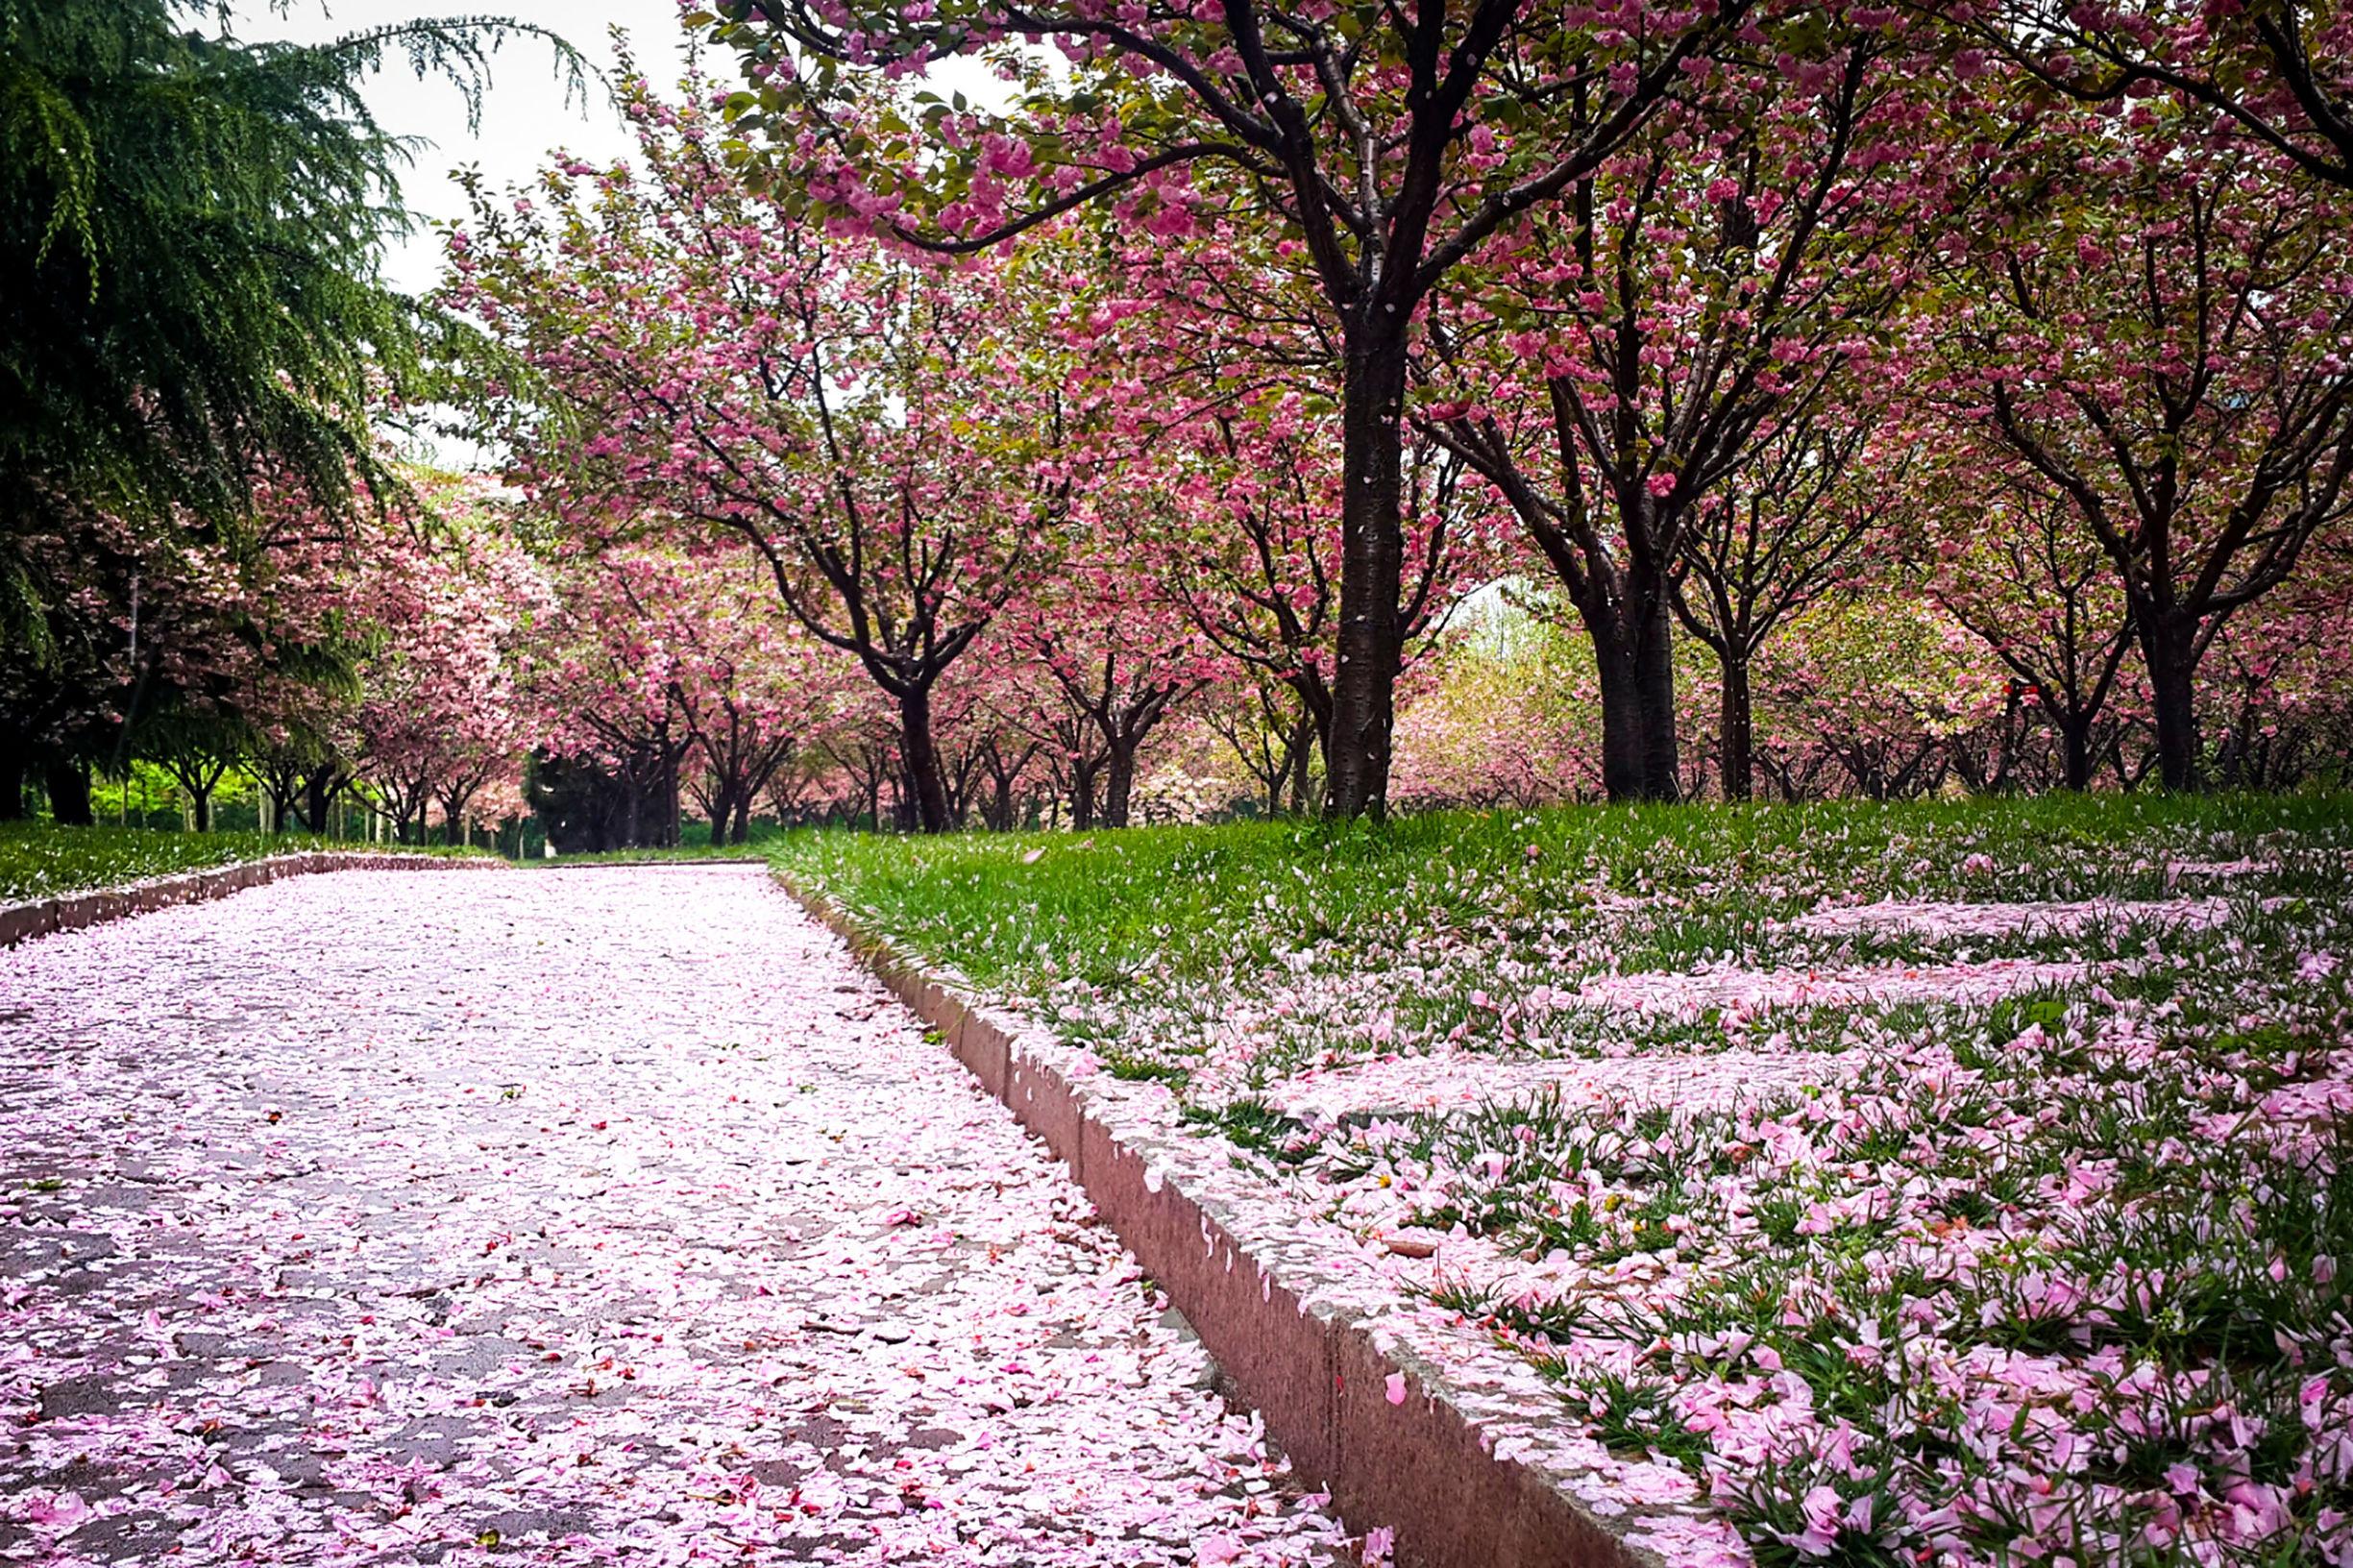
(1421, 1467)
(72, 912)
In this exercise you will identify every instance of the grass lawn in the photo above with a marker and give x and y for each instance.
(1955, 1181)
(41, 860)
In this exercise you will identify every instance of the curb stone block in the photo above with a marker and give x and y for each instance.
(1046, 1107)
(1321, 1381)
(982, 1050)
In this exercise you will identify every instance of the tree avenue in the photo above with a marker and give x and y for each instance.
(1009, 514)
(1375, 152)
(2169, 348)
(1240, 408)
(866, 422)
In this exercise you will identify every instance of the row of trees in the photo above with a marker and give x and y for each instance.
(1261, 357)
(375, 651)
(1619, 256)
(1487, 402)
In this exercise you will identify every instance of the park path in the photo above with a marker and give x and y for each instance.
(561, 1215)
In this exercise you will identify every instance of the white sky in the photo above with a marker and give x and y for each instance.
(524, 116)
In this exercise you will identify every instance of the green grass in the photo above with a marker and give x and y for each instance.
(1156, 945)
(41, 860)
(1173, 904)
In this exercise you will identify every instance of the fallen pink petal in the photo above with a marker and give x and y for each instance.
(748, 1260)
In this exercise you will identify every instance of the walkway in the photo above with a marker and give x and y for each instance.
(560, 1216)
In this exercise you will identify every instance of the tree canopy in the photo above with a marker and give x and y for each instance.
(191, 231)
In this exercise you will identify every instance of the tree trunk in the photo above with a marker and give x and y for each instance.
(69, 782)
(1624, 758)
(200, 810)
(1081, 795)
(1654, 693)
(722, 812)
(2168, 644)
(1372, 557)
(1739, 740)
(1000, 809)
(993, 810)
(741, 831)
(922, 762)
(11, 784)
(1304, 738)
(1119, 783)
(2076, 747)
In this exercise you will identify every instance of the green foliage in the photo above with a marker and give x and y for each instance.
(189, 233)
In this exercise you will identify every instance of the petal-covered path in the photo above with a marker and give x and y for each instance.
(601, 1215)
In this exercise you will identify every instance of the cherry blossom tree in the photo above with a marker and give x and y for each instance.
(195, 653)
(303, 737)
(1786, 528)
(1121, 655)
(2002, 553)
(1373, 152)
(883, 434)
(133, 627)
(691, 660)
(1055, 729)
(456, 608)
(862, 758)
(1272, 740)
(2161, 340)
(1249, 547)
(310, 624)
(1005, 758)
(1714, 278)
(609, 773)
(2278, 706)
(142, 637)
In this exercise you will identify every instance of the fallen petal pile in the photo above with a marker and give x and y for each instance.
(607, 1214)
(1824, 1186)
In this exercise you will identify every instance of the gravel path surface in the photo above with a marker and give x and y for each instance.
(602, 1214)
